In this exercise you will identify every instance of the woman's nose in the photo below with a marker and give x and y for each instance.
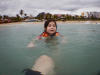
(51, 26)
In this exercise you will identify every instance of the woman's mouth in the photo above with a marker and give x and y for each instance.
(51, 30)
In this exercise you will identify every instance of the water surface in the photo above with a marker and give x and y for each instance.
(78, 56)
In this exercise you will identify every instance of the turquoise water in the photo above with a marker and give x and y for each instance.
(79, 55)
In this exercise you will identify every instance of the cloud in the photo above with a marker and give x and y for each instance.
(12, 7)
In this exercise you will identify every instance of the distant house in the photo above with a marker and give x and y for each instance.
(5, 21)
(94, 14)
(31, 20)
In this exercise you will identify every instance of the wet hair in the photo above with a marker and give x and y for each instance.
(47, 23)
(31, 72)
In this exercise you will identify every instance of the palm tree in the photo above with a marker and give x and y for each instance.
(48, 16)
(21, 12)
(18, 17)
(0, 17)
(5, 16)
(25, 14)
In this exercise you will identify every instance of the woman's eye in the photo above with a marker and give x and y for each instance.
(54, 26)
(49, 25)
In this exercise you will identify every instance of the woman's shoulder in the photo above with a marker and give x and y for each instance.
(41, 35)
(44, 35)
(59, 34)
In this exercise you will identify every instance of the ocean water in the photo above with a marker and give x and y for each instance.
(79, 54)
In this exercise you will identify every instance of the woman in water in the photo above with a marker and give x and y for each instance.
(44, 65)
(50, 30)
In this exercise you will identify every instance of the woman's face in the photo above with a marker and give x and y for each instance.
(51, 28)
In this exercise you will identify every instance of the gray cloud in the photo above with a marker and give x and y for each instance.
(13, 6)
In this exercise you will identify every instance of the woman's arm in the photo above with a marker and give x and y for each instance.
(64, 39)
(31, 44)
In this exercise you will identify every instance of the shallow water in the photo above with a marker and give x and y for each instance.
(79, 55)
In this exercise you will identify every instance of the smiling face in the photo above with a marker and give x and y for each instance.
(51, 28)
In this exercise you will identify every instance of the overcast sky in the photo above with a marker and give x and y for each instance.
(12, 7)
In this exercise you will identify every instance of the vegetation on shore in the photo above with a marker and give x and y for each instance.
(44, 16)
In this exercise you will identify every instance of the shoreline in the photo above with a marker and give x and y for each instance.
(59, 22)
(4, 24)
(79, 22)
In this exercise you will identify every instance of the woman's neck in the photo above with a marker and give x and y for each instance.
(51, 34)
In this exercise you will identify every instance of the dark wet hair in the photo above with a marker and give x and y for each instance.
(47, 23)
(31, 72)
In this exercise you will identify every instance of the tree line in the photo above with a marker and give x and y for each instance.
(44, 16)
(64, 17)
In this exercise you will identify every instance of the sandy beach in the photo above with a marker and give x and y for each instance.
(59, 22)
(79, 22)
(10, 24)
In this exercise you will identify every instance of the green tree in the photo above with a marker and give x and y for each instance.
(48, 16)
(5, 16)
(21, 12)
(55, 17)
(25, 14)
(82, 18)
(0, 17)
(18, 18)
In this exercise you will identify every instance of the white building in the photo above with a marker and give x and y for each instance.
(94, 14)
